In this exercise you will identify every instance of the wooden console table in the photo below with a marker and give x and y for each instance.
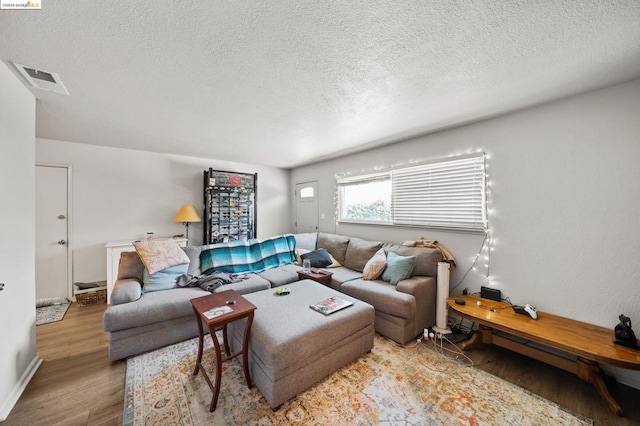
(582, 347)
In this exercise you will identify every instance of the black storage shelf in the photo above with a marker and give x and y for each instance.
(229, 206)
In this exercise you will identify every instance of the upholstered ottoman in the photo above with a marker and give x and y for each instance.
(292, 346)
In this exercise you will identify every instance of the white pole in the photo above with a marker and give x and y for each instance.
(441, 298)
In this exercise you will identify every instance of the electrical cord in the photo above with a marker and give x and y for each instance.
(473, 264)
(437, 346)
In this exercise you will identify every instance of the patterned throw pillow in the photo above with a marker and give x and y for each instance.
(374, 266)
(160, 254)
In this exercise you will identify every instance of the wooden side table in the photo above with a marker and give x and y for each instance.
(315, 275)
(590, 345)
(242, 308)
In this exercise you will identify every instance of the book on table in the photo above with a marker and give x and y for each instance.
(217, 311)
(331, 305)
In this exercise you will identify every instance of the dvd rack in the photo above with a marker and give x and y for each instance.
(229, 206)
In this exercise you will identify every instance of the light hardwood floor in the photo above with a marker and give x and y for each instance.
(78, 385)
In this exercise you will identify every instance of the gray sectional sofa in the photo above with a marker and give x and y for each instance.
(138, 322)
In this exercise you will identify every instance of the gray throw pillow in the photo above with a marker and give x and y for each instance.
(126, 291)
(319, 258)
(398, 268)
(194, 259)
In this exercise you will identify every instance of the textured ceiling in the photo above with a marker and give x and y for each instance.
(284, 83)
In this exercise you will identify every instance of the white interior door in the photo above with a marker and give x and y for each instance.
(307, 207)
(52, 233)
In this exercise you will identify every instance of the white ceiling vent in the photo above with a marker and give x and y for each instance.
(42, 79)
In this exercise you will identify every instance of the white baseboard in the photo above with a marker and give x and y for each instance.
(19, 388)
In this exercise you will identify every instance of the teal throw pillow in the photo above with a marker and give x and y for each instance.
(162, 280)
(398, 268)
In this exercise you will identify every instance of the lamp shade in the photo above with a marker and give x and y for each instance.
(186, 214)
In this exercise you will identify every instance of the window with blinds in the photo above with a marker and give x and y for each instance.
(448, 193)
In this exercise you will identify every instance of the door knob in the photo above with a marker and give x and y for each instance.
(1, 286)
(62, 242)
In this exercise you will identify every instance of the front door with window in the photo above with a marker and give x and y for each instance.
(307, 207)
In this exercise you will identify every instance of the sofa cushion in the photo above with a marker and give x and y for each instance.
(279, 276)
(426, 258)
(126, 290)
(252, 283)
(163, 280)
(152, 308)
(383, 296)
(341, 275)
(375, 266)
(336, 244)
(359, 252)
(130, 265)
(306, 241)
(398, 268)
(319, 258)
(193, 252)
(160, 254)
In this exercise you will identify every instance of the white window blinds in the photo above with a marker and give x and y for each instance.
(444, 194)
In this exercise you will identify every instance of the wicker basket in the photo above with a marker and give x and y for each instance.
(91, 297)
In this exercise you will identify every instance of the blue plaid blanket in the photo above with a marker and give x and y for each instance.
(239, 257)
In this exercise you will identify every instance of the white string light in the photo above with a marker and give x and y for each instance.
(489, 207)
(487, 245)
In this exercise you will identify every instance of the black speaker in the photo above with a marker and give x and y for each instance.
(490, 293)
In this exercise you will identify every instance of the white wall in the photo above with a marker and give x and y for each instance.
(565, 200)
(18, 358)
(121, 194)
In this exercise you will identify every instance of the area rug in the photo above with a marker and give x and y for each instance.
(51, 310)
(390, 385)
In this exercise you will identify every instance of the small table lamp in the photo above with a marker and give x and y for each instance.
(186, 215)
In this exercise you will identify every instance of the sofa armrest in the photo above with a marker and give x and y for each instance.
(424, 290)
(126, 290)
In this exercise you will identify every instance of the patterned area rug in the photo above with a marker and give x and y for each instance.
(391, 385)
(51, 310)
